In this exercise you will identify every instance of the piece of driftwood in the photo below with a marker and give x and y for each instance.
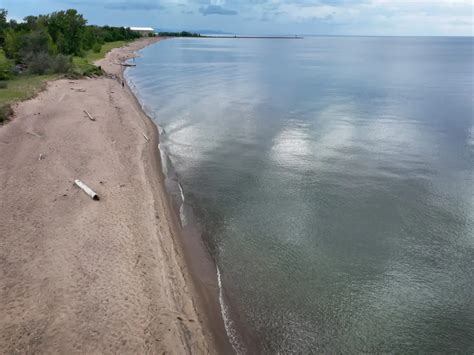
(147, 139)
(41, 156)
(34, 134)
(90, 116)
(127, 65)
(87, 190)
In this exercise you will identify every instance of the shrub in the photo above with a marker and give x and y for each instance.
(61, 63)
(5, 67)
(35, 43)
(5, 113)
(97, 48)
(3, 84)
(92, 70)
(39, 64)
(82, 70)
(74, 74)
(5, 71)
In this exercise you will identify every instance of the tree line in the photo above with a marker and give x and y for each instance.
(179, 34)
(47, 43)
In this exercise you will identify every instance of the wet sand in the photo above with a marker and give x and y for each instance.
(85, 276)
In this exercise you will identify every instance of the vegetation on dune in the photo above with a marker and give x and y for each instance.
(20, 88)
(44, 47)
(23, 87)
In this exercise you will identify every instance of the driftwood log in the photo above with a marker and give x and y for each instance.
(87, 190)
(89, 115)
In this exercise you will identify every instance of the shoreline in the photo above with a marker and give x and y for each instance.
(85, 276)
(204, 277)
(225, 322)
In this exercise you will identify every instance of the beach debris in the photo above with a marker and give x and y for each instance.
(127, 65)
(86, 189)
(34, 134)
(90, 116)
(146, 138)
(41, 157)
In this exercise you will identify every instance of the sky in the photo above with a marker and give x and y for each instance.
(272, 17)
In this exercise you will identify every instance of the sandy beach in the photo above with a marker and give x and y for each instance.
(85, 276)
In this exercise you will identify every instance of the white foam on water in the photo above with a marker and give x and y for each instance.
(182, 214)
(228, 323)
(164, 160)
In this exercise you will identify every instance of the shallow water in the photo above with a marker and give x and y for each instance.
(333, 178)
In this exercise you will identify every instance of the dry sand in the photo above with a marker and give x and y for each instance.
(77, 275)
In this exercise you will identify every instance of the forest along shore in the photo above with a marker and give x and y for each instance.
(80, 275)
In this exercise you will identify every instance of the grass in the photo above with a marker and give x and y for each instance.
(85, 65)
(107, 47)
(24, 86)
(21, 88)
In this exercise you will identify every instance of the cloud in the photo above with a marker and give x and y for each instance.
(216, 10)
(355, 17)
(141, 5)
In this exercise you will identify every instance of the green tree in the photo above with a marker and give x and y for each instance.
(31, 23)
(67, 29)
(3, 25)
(12, 44)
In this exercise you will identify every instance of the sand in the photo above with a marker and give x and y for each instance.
(85, 276)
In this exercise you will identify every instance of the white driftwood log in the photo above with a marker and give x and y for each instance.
(87, 190)
(90, 116)
(144, 135)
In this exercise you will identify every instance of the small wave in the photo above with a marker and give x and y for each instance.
(182, 213)
(228, 323)
(164, 160)
(181, 191)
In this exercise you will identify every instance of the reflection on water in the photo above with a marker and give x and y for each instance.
(333, 178)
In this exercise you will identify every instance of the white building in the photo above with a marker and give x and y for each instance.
(144, 31)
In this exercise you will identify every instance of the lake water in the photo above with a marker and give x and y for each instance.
(333, 180)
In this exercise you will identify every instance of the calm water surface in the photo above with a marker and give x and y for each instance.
(333, 178)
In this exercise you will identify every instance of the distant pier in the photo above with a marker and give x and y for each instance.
(254, 37)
